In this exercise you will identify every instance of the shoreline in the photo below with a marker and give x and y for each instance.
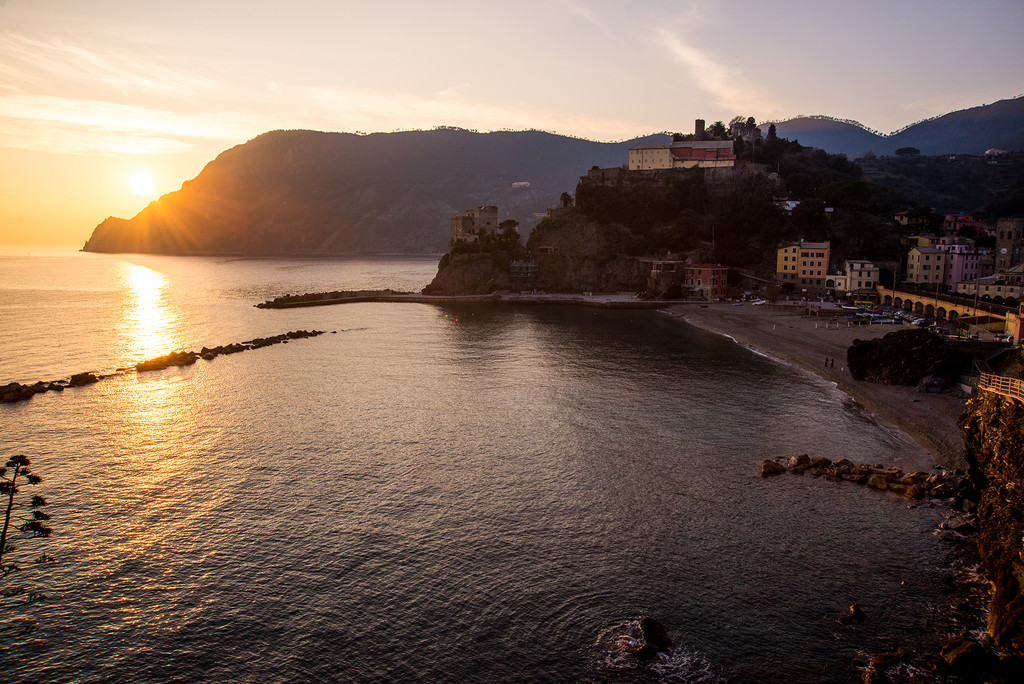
(930, 420)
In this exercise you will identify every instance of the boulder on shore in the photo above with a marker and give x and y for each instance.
(905, 357)
(770, 467)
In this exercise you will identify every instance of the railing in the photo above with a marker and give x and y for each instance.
(1008, 387)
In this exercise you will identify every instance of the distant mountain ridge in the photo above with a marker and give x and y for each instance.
(308, 192)
(315, 193)
(967, 131)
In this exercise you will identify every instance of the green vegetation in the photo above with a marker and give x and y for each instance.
(23, 521)
(737, 219)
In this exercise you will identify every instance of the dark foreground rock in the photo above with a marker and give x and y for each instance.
(905, 357)
(993, 428)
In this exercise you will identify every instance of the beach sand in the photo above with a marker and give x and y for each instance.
(929, 419)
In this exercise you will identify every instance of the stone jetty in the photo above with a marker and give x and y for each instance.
(14, 391)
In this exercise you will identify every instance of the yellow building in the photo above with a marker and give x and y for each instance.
(803, 264)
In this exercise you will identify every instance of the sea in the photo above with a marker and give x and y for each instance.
(473, 493)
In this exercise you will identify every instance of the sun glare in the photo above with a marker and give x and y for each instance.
(142, 183)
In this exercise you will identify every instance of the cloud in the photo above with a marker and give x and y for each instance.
(590, 16)
(55, 124)
(726, 85)
(54, 65)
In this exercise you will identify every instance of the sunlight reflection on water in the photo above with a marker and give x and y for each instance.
(150, 322)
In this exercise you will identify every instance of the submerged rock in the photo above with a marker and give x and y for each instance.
(655, 638)
(770, 467)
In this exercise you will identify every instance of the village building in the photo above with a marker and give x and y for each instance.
(946, 262)
(859, 275)
(804, 265)
(954, 223)
(1001, 288)
(709, 281)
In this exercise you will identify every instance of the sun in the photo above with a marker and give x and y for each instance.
(142, 183)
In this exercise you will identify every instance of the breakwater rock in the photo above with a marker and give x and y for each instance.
(187, 358)
(14, 391)
(993, 428)
(942, 484)
(324, 298)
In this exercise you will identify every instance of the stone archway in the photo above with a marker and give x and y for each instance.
(919, 308)
(940, 313)
(929, 311)
(888, 300)
(954, 316)
(898, 302)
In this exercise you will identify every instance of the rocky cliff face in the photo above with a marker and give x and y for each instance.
(470, 274)
(570, 256)
(993, 428)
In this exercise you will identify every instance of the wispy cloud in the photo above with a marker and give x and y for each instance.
(727, 85)
(52, 65)
(594, 19)
(93, 127)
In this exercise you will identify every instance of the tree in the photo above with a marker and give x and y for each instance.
(509, 236)
(772, 133)
(717, 130)
(22, 521)
(908, 152)
(565, 201)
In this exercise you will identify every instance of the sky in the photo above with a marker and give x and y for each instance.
(107, 104)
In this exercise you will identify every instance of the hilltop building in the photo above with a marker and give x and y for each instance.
(803, 264)
(697, 153)
(474, 224)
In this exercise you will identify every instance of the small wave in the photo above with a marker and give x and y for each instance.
(618, 643)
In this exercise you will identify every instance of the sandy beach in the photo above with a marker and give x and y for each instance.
(929, 419)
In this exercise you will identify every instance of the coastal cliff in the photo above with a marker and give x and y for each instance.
(569, 256)
(993, 428)
(310, 192)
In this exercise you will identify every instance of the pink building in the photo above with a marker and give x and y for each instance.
(964, 262)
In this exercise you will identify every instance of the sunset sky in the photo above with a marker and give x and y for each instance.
(106, 104)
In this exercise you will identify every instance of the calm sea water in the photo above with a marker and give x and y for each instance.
(432, 493)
